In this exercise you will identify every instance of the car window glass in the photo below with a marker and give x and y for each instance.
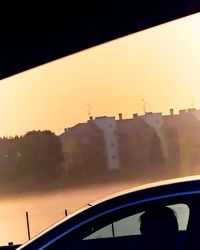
(182, 215)
(131, 225)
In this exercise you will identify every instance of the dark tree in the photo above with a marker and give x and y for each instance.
(39, 155)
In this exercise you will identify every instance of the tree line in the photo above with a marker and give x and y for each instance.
(30, 160)
(41, 159)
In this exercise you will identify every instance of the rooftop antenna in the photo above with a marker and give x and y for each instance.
(89, 110)
(144, 105)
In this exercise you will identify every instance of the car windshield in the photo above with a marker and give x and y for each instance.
(111, 117)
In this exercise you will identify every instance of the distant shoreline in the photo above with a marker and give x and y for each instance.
(67, 183)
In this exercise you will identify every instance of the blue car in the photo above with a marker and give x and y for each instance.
(163, 215)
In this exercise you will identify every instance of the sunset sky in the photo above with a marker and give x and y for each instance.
(161, 65)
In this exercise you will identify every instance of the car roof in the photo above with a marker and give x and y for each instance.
(148, 186)
(34, 34)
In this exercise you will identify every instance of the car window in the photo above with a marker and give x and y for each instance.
(126, 226)
(131, 225)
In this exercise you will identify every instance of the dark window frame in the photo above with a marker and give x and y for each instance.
(121, 212)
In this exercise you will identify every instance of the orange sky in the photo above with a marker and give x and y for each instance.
(161, 65)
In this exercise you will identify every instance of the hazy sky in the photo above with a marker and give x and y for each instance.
(161, 65)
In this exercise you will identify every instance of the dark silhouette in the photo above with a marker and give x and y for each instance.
(34, 157)
(39, 155)
(159, 228)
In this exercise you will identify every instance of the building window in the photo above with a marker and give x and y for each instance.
(114, 157)
(110, 125)
(112, 144)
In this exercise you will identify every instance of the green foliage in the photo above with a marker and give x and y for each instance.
(40, 154)
(36, 156)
